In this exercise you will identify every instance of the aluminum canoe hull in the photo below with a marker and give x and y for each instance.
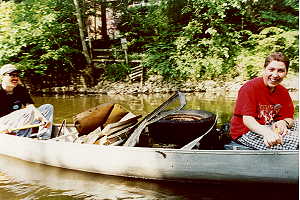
(158, 163)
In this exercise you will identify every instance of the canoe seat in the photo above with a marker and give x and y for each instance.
(236, 146)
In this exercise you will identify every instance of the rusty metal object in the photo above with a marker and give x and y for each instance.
(117, 113)
(99, 116)
(181, 127)
(183, 117)
(89, 120)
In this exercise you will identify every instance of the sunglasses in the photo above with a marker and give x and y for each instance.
(12, 75)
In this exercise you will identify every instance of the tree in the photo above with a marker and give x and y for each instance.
(81, 32)
(206, 39)
(39, 37)
(89, 69)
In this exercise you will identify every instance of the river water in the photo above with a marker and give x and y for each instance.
(68, 106)
(26, 181)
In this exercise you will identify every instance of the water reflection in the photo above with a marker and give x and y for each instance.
(33, 181)
(28, 181)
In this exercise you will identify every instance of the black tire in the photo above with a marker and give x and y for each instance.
(181, 132)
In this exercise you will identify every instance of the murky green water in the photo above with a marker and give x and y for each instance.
(68, 106)
(26, 181)
(20, 180)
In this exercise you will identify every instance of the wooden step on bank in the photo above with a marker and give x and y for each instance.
(136, 73)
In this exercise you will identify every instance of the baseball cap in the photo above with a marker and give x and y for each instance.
(8, 68)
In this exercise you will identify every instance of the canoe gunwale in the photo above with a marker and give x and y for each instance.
(191, 151)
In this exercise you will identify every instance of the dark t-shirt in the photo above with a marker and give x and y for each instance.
(14, 101)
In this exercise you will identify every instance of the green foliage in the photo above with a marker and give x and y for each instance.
(157, 60)
(117, 72)
(179, 39)
(282, 13)
(207, 39)
(269, 40)
(39, 35)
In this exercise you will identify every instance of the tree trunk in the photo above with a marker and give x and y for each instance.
(88, 72)
(103, 22)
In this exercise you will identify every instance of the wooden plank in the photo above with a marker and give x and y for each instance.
(113, 60)
(137, 67)
(135, 77)
(135, 61)
(136, 74)
(107, 50)
(137, 70)
(127, 120)
(116, 138)
(103, 57)
(107, 60)
(114, 127)
(140, 73)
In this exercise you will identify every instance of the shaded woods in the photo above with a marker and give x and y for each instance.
(178, 40)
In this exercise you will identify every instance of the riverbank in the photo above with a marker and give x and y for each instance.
(156, 84)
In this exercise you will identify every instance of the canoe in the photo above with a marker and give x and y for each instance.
(124, 153)
(157, 163)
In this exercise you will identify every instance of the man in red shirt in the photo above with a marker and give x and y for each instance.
(263, 115)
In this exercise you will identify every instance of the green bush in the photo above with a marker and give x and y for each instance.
(269, 40)
(40, 35)
(178, 39)
(117, 71)
(207, 39)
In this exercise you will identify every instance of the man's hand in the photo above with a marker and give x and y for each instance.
(271, 138)
(7, 131)
(46, 123)
(280, 127)
(38, 116)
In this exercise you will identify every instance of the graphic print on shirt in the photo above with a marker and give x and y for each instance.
(268, 112)
(16, 105)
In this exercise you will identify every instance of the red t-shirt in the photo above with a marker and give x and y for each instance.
(255, 99)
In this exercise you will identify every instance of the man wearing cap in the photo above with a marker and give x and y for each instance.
(17, 109)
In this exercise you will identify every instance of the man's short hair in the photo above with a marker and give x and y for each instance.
(277, 56)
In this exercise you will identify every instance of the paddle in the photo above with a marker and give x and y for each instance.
(21, 128)
(195, 141)
(63, 124)
(152, 117)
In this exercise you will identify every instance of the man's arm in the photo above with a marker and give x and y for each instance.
(270, 136)
(38, 116)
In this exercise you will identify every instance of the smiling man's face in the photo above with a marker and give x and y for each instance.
(274, 73)
(11, 79)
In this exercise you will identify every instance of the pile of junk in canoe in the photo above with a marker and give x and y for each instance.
(170, 143)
